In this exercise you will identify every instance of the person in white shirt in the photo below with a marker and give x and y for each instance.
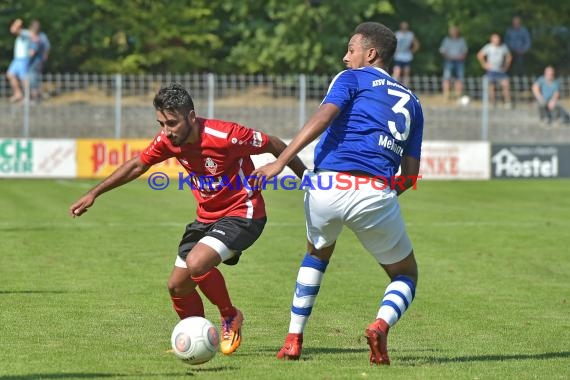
(496, 59)
(406, 47)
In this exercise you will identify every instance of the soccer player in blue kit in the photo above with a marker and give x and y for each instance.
(371, 126)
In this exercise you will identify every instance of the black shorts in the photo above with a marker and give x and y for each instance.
(236, 233)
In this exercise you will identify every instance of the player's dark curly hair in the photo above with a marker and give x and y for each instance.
(173, 98)
(379, 37)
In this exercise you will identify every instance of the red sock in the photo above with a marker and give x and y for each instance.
(213, 285)
(189, 305)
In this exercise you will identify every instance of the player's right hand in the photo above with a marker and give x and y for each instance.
(80, 207)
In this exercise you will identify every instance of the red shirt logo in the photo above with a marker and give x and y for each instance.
(210, 165)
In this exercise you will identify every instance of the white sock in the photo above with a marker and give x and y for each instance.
(306, 290)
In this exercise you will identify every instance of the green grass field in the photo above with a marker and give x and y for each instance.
(86, 298)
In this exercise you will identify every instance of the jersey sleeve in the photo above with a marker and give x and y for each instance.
(414, 146)
(342, 89)
(157, 151)
(247, 141)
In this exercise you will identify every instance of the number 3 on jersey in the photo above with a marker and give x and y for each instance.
(399, 108)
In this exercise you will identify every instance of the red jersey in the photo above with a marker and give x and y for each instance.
(221, 153)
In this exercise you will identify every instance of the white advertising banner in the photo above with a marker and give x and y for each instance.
(455, 160)
(53, 158)
(37, 158)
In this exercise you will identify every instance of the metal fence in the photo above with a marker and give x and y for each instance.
(106, 106)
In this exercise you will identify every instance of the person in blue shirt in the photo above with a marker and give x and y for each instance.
(546, 90)
(40, 49)
(519, 42)
(370, 126)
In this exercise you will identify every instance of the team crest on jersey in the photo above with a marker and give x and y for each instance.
(210, 165)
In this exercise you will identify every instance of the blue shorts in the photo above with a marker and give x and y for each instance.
(496, 76)
(19, 68)
(402, 64)
(454, 69)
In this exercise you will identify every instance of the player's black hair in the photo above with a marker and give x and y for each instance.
(174, 98)
(379, 37)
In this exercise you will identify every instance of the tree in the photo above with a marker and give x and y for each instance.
(289, 36)
(149, 35)
(271, 36)
(128, 36)
(479, 19)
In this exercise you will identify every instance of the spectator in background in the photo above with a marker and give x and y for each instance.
(41, 46)
(18, 69)
(454, 50)
(496, 58)
(546, 90)
(406, 47)
(518, 41)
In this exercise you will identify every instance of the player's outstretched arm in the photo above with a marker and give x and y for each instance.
(130, 170)
(310, 131)
(410, 168)
(276, 146)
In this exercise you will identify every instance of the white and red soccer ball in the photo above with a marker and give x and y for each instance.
(195, 340)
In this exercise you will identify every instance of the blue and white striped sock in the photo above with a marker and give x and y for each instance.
(308, 284)
(397, 299)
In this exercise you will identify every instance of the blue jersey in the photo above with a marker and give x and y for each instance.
(380, 121)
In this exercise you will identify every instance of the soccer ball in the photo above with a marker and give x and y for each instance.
(195, 340)
(464, 100)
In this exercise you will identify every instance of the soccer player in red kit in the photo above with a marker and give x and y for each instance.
(230, 214)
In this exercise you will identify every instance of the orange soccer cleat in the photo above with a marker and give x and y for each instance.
(231, 333)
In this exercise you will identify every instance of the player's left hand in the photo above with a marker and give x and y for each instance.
(266, 172)
(80, 207)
